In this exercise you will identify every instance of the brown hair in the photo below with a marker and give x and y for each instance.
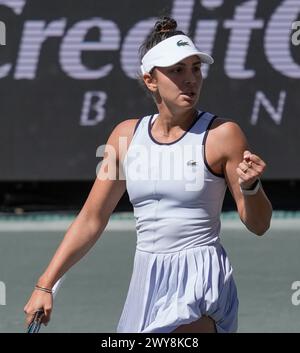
(164, 28)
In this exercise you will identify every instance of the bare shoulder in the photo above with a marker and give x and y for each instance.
(126, 127)
(125, 130)
(228, 135)
(225, 126)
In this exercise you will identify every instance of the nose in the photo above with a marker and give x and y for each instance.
(188, 81)
(190, 78)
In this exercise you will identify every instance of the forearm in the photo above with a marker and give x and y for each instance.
(79, 238)
(257, 212)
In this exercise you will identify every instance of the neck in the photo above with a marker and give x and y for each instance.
(169, 119)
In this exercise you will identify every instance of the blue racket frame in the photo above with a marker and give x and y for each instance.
(35, 325)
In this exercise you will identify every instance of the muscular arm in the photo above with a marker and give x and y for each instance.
(255, 211)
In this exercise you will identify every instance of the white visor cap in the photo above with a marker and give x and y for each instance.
(170, 51)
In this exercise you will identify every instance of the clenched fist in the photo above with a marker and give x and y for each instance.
(250, 169)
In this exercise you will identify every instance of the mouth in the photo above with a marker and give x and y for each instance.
(190, 94)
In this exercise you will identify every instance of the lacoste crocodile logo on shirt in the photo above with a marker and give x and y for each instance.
(191, 162)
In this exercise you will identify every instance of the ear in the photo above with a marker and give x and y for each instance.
(150, 82)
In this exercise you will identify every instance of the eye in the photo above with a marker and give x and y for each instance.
(177, 69)
(197, 68)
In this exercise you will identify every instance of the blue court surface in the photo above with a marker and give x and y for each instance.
(93, 293)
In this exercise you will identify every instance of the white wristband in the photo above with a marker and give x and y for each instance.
(251, 191)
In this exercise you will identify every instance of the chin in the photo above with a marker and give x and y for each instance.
(189, 103)
(186, 107)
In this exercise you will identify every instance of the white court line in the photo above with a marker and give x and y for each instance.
(127, 225)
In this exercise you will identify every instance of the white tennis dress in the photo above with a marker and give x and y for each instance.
(180, 271)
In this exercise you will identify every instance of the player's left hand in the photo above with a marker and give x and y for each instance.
(250, 169)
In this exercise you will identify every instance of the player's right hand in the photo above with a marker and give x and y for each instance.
(39, 300)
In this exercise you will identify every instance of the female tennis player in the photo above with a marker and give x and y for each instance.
(176, 167)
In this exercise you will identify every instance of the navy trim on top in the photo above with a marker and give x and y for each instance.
(137, 124)
(203, 143)
(171, 143)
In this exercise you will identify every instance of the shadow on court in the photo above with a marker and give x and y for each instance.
(92, 296)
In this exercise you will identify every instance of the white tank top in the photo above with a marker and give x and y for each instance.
(176, 197)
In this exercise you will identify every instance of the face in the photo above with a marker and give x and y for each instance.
(177, 86)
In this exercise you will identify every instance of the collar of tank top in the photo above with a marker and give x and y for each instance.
(155, 116)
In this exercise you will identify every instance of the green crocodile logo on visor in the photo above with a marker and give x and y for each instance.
(180, 43)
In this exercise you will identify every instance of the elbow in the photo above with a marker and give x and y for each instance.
(261, 225)
(258, 229)
(262, 230)
(266, 225)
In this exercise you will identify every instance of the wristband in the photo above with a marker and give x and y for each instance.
(253, 190)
